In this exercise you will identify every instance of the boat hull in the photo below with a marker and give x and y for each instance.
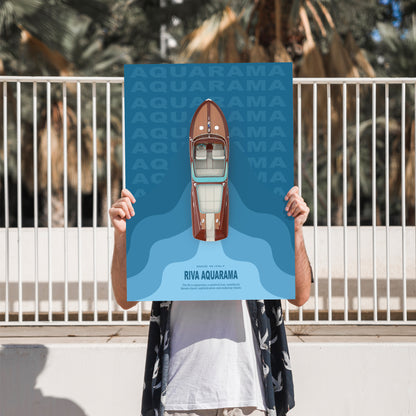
(209, 157)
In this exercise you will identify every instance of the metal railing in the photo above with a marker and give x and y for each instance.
(63, 151)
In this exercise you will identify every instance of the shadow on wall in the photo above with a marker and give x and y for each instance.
(20, 365)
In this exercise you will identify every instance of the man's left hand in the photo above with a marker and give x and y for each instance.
(296, 207)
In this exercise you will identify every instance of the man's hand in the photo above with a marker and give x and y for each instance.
(299, 210)
(122, 209)
(296, 207)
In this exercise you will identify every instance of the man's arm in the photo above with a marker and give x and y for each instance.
(298, 209)
(121, 210)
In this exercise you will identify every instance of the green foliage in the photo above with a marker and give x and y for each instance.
(408, 13)
(55, 23)
(97, 37)
(397, 50)
(360, 18)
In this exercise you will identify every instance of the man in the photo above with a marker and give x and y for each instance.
(204, 358)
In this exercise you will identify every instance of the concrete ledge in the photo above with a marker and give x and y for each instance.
(138, 333)
(73, 334)
(93, 370)
(105, 378)
(334, 331)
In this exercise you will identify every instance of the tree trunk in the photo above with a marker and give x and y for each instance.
(57, 209)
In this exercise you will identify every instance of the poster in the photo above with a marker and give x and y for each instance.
(168, 256)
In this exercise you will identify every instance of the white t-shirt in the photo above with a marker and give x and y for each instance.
(214, 360)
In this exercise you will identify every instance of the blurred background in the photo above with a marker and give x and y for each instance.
(97, 37)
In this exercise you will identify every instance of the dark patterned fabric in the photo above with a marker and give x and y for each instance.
(267, 320)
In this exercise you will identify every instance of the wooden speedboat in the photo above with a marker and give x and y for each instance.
(209, 148)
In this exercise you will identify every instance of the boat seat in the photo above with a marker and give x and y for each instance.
(201, 152)
(204, 172)
(218, 152)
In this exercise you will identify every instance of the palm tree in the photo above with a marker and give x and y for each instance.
(397, 51)
(60, 39)
(291, 31)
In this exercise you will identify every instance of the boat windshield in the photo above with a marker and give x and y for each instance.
(209, 160)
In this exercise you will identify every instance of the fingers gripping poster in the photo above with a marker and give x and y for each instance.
(209, 159)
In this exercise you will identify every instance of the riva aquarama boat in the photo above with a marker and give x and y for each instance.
(209, 148)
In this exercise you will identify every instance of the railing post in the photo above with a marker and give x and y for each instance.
(44, 298)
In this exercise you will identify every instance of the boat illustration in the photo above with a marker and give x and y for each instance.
(209, 148)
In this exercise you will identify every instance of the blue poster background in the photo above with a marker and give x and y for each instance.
(256, 260)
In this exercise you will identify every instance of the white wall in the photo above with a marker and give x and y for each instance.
(103, 250)
(341, 379)
(354, 379)
(71, 379)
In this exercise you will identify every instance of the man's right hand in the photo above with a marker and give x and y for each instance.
(121, 210)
